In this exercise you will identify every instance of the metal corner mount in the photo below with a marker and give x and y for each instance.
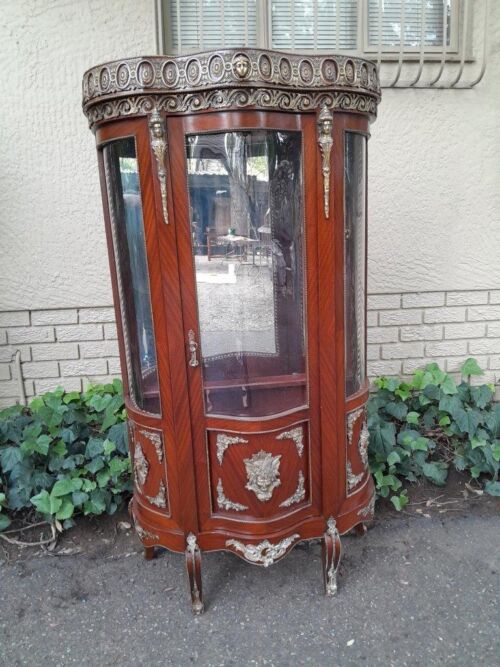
(159, 148)
(325, 141)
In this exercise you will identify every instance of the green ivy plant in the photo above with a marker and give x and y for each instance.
(422, 427)
(66, 454)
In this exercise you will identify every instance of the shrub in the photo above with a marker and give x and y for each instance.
(421, 427)
(65, 454)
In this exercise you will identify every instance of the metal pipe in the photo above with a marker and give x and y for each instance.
(485, 42)
(464, 46)
(402, 23)
(422, 47)
(444, 51)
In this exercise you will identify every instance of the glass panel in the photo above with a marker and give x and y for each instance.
(245, 192)
(355, 268)
(125, 208)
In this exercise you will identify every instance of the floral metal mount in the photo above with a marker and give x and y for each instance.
(265, 553)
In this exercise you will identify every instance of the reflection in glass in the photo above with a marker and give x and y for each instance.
(122, 180)
(355, 268)
(245, 191)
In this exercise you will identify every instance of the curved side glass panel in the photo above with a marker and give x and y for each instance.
(354, 261)
(125, 210)
(246, 206)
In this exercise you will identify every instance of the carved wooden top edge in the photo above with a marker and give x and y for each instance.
(229, 69)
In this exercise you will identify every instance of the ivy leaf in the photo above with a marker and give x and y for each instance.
(4, 522)
(95, 465)
(436, 472)
(79, 498)
(95, 446)
(400, 501)
(477, 442)
(495, 450)
(109, 447)
(10, 457)
(471, 367)
(492, 488)
(66, 510)
(481, 395)
(45, 503)
(444, 421)
(467, 420)
(62, 487)
(393, 458)
(449, 386)
(397, 409)
(412, 417)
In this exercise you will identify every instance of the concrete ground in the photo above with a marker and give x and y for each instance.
(413, 591)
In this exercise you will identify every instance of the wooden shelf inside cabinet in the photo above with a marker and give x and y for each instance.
(237, 249)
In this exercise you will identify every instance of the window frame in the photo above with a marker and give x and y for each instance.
(364, 49)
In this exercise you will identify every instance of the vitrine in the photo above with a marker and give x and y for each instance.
(234, 193)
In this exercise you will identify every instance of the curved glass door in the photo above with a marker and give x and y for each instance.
(246, 217)
(355, 261)
(127, 228)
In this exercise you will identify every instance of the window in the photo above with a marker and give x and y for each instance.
(357, 26)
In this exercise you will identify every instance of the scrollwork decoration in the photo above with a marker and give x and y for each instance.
(352, 479)
(224, 441)
(352, 418)
(264, 553)
(297, 435)
(369, 509)
(160, 500)
(224, 503)
(325, 141)
(155, 438)
(298, 495)
(364, 438)
(145, 534)
(159, 148)
(141, 465)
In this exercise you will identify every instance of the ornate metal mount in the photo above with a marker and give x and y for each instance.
(332, 554)
(141, 465)
(193, 349)
(325, 141)
(364, 438)
(352, 479)
(160, 500)
(159, 148)
(299, 494)
(193, 564)
(224, 441)
(352, 418)
(263, 474)
(264, 553)
(155, 438)
(224, 503)
(369, 510)
(297, 435)
(145, 534)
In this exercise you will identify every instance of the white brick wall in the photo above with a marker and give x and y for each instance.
(68, 347)
(409, 330)
(71, 346)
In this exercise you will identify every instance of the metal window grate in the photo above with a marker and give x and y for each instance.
(416, 43)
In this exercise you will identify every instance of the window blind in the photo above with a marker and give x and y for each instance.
(420, 18)
(205, 24)
(320, 25)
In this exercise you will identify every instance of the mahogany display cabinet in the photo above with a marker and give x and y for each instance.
(234, 193)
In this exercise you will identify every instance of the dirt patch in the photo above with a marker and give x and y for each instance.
(113, 537)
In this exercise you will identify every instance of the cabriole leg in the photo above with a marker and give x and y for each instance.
(149, 553)
(331, 556)
(360, 529)
(193, 564)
